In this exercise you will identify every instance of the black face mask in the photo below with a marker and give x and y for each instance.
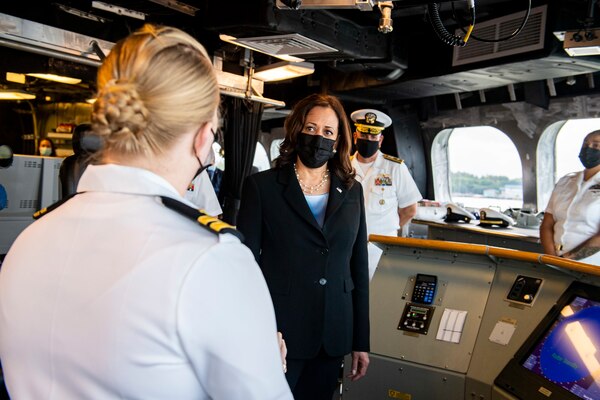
(589, 157)
(366, 148)
(314, 150)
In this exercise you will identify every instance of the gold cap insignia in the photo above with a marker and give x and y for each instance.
(370, 118)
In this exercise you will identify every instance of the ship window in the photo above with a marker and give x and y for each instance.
(558, 153)
(275, 148)
(261, 160)
(477, 167)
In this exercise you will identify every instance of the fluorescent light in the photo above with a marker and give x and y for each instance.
(583, 51)
(16, 78)
(15, 95)
(57, 78)
(283, 70)
(273, 52)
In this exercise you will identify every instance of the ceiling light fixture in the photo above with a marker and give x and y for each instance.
(8, 94)
(15, 78)
(283, 70)
(285, 47)
(56, 78)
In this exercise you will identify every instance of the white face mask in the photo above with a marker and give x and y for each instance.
(46, 151)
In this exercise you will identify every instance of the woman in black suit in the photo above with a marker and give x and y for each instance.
(304, 220)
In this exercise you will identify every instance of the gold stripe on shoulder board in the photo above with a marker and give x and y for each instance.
(40, 213)
(394, 159)
(207, 221)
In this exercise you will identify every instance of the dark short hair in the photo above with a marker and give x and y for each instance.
(78, 133)
(294, 123)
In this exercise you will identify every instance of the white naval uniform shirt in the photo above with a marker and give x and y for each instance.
(575, 206)
(114, 296)
(202, 194)
(387, 186)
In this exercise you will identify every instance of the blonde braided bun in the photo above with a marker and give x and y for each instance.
(155, 85)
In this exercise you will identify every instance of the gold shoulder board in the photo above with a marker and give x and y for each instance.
(394, 159)
(213, 224)
(40, 213)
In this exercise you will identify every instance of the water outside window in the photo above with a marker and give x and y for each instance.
(485, 169)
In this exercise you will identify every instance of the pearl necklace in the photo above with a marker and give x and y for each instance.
(311, 189)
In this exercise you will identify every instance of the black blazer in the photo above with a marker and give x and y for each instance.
(318, 277)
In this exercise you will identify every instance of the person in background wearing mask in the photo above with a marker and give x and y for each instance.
(571, 225)
(391, 194)
(46, 148)
(304, 220)
(150, 299)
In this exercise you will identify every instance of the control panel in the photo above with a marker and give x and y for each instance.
(524, 290)
(416, 318)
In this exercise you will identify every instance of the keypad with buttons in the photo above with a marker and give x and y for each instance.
(424, 290)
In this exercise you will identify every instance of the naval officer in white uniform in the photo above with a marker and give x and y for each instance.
(126, 291)
(391, 194)
(571, 225)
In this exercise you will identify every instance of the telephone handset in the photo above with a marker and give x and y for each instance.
(424, 291)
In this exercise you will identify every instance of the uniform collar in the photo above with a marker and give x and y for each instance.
(114, 178)
(595, 178)
(377, 164)
(379, 161)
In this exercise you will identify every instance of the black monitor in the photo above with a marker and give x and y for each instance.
(561, 358)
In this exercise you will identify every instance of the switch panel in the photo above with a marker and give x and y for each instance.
(416, 318)
(524, 290)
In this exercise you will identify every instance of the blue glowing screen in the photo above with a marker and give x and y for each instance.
(569, 353)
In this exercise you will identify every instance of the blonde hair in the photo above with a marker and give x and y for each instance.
(154, 85)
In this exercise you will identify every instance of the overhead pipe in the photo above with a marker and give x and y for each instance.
(49, 53)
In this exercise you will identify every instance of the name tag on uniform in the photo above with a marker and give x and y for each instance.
(383, 180)
(595, 189)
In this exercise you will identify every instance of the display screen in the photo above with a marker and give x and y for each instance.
(568, 354)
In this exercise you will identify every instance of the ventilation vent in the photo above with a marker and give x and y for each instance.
(28, 204)
(292, 44)
(32, 164)
(529, 39)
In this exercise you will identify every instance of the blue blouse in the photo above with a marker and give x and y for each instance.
(318, 205)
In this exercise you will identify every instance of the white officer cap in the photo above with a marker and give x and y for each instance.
(370, 121)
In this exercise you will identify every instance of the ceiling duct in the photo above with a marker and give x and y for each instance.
(282, 46)
(30, 36)
(58, 44)
(531, 38)
(329, 35)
